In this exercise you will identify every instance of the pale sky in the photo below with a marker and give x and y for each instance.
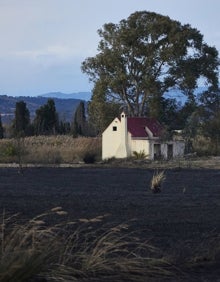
(43, 42)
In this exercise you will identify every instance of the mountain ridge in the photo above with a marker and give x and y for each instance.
(65, 106)
(86, 96)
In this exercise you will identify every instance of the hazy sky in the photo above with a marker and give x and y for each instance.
(43, 42)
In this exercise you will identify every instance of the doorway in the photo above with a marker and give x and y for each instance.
(157, 151)
(170, 151)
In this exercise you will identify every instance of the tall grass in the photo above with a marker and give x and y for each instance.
(25, 248)
(75, 251)
(50, 149)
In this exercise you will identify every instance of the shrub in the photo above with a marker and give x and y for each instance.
(9, 150)
(89, 158)
(139, 155)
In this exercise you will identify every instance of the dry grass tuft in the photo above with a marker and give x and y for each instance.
(75, 251)
(28, 250)
(157, 181)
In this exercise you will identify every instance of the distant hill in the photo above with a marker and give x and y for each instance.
(65, 106)
(86, 96)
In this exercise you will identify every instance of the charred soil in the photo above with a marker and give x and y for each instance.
(183, 221)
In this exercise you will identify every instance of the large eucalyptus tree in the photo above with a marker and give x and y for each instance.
(146, 55)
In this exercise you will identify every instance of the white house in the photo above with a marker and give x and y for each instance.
(125, 135)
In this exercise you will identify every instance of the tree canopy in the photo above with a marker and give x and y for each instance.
(146, 55)
(22, 118)
(101, 111)
(46, 119)
(79, 121)
(1, 128)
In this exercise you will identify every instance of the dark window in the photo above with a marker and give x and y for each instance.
(114, 128)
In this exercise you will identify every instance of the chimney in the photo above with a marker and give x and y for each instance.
(122, 151)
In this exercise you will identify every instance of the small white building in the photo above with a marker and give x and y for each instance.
(125, 135)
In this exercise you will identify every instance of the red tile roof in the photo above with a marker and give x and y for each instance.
(136, 126)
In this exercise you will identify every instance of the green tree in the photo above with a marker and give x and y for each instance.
(79, 121)
(101, 111)
(21, 121)
(147, 55)
(210, 103)
(210, 116)
(211, 130)
(187, 113)
(64, 127)
(1, 128)
(46, 119)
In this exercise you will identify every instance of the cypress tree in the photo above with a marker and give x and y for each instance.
(22, 118)
(79, 121)
(1, 128)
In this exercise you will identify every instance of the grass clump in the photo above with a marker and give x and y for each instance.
(28, 250)
(157, 181)
(75, 251)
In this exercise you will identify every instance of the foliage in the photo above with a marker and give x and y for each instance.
(101, 111)
(204, 146)
(64, 127)
(210, 116)
(21, 123)
(79, 121)
(186, 115)
(157, 181)
(211, 129)
(210, 102)
(46, 119)
(146, 55)
(165, 110)
(1, 128)
(139, 155)
(65, 107)
(89, 157)
(8, 149)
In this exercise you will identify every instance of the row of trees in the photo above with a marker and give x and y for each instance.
(202, 115)
(46, 121)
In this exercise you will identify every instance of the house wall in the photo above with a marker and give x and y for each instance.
(111, 139)
(178, 148)
(138, 146)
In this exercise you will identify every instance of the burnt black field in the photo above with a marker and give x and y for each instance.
(183, 218)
